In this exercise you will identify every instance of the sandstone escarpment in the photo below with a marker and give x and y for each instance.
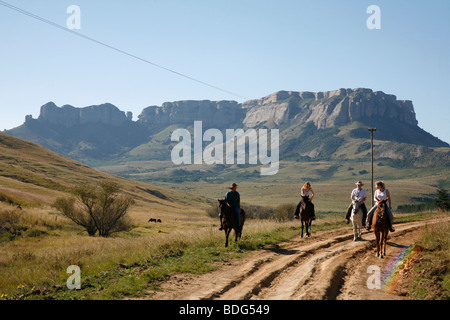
(218, 114)
(69, 116)
(328, 109)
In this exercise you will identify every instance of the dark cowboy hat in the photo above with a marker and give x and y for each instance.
(233, 185)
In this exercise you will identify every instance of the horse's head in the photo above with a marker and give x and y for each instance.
(223, 205)
(381, 206)
(356, 205)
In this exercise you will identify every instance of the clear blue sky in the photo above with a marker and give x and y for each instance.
(251, 47)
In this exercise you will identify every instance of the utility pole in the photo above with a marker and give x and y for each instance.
(371, 143)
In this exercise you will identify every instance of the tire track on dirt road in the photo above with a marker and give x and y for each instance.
(313, 268)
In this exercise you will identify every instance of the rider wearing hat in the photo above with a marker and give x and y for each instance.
(233, 200)
(358, 194)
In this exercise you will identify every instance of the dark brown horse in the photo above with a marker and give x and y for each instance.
(380, 226)
(230, 221)
(306, 215)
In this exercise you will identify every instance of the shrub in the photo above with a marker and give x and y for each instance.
(285, 212)
(442, 201)
(11, 222)
(97, 208)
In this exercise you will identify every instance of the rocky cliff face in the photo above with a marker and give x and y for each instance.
(69, 116)
(328, 109)
(217, 114)
(324, 109)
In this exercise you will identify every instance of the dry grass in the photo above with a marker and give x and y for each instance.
(42, 260)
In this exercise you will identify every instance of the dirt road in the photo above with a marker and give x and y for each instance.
(329, 265)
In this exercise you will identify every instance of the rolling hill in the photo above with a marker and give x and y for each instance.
(33, 176)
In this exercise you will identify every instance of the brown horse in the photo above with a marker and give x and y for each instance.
(380, 226)
(230, 221)
(306, 215)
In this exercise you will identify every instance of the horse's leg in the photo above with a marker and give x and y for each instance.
(385, 240)
(360, 220)
(354, 228)
(382, 242)
(302, 229)
(309, 228)
(227, 233)
(377, 237)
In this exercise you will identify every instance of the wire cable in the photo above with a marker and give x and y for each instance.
(53, 24)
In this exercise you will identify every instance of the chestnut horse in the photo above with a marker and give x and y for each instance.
(306, 215)
(230, 221)
(380, 226)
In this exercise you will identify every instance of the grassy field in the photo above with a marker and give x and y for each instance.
(33, 264)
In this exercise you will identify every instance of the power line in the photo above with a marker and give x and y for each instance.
(53, 24)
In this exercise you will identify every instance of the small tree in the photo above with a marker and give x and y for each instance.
(97, 208)
(442, 200)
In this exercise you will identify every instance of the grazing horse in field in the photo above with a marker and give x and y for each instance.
(230, 221)
(306, 215)
(357, 219)
(380, 226)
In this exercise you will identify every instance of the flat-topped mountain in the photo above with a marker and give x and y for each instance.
(69, 116)
(313, 125)
(329, 109)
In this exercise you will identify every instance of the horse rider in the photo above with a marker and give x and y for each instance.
(306, 191)
(381, 194)
(361, 195)
(233, 200)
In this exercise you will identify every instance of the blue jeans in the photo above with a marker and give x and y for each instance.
(371, 211)
(237, 211)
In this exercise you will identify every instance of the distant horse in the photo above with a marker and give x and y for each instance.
(230, 221)
(356, 218)
(380, 226)
(152, 220)
(306, 215)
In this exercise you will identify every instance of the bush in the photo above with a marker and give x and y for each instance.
(285, 212)
(11, 222)
(97, 208)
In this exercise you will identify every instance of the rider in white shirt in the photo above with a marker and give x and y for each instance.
(358, 194)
